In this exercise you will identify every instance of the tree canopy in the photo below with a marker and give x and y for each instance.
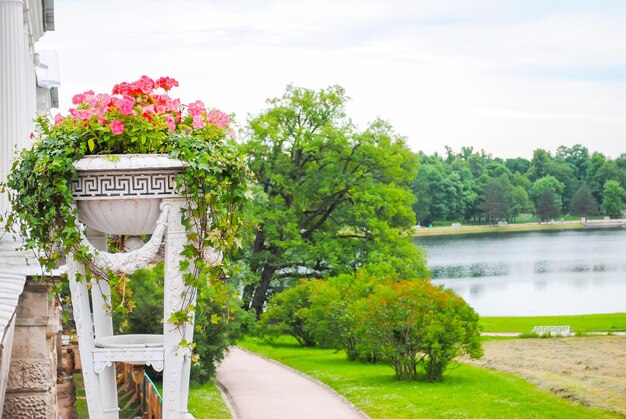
(330, 198)
(474, 186)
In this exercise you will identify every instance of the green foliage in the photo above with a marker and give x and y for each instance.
(416, 326)
(583, 203)
(497, 199)
(547, 205)
(462, 186)
(613, 202)
(330, 199)
(546, 192)
(288, 313)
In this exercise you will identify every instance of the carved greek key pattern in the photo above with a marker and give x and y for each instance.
(122, 185)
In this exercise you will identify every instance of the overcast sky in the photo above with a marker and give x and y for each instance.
(504, 76)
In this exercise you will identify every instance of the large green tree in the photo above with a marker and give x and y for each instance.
(583, 203)
(614, 196)
(439, 193)
(577, 156)
(547, 206)
(546, 193)
(497, 199)
(330, 198)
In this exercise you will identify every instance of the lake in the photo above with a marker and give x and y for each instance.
(537, 273)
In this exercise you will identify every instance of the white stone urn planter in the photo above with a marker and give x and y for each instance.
(121, 194)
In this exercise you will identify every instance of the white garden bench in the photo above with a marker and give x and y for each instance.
(551, 330)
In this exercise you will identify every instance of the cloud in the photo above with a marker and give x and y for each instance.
(500, 75)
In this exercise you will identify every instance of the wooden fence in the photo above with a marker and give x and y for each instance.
(135, 388)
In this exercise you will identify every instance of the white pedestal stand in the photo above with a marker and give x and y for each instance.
(99, 347)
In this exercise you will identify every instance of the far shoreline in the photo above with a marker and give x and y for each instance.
(510, 228)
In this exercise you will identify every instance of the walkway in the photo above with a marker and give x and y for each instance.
(259, 388)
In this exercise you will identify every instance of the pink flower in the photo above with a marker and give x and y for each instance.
(58, 119)
(166, 83)
(122, 89)
(104, 121)
(125, 105)
(196, 108)
(198, 122)
(218, 118)
(117, 127)
(82, 114)
(78, 99)
(103, 98)
(232, 134)
(145, 84)
(171, 123)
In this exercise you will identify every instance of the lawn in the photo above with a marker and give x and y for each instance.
(466, 392)
(582, 324)
(205, 401)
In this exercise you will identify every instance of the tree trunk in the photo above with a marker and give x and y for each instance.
(260, 293)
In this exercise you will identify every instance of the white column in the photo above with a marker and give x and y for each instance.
(177, 362)
(84, 330)
(17, 87)
(103, 327)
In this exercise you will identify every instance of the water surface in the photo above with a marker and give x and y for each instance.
(536, 273)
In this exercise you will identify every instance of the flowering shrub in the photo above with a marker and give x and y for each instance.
(137, 117)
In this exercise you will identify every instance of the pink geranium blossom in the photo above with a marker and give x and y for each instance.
(132, 104)
(145, 84)
(117, 127)
(218, 118)
(78, 99)
(166, 83)
(198, 122)
(196, 108)
(125, 105)
(171, 123)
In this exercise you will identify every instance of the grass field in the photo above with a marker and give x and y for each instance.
(615, 322)
(590, 370)
(466, 392)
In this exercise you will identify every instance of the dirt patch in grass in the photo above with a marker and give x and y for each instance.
(589, 370)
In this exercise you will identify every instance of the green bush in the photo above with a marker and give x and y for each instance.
(288, 313)
(332, 311)
(417, 327)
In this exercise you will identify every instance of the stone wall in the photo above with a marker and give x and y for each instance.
(31, 389)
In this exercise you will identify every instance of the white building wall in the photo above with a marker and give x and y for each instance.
(21, 25)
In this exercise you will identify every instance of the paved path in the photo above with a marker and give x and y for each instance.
(259, 388)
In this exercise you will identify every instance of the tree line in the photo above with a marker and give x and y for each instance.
(476, 187)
